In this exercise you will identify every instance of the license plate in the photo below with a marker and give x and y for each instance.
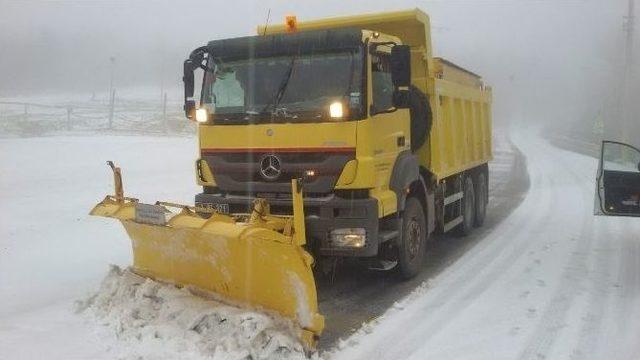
(221, 208)
(150, 214)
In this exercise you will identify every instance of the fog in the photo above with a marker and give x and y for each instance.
(543, 278)
(549, 61)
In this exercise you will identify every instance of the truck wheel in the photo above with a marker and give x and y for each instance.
(468, 208)
(411, 249)
(481, 198)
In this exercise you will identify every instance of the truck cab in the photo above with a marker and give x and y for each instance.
(317, 104)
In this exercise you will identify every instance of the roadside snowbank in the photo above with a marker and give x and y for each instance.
(151, 320)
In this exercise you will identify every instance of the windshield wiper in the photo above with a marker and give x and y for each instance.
(352, 70)
(282, 88)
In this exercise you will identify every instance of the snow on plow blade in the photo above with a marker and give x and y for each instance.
(253, 260)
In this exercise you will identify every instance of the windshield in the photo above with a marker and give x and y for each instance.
(287, 88)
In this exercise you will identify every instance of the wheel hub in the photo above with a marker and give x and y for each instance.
(413, 238)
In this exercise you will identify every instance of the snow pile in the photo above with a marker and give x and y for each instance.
(157, 321)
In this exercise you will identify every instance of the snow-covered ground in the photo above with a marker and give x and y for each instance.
(53, 258)
(51, 249)
(550, 282)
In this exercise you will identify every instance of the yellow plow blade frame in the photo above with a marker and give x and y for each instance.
(244, 263)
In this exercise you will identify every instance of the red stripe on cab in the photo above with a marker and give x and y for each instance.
(329, 149)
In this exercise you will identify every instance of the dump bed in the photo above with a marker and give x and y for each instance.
(460, 138)
(461, 133)
(447, 70)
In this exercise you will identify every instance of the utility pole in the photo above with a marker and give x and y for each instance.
(629, 73)
(112, 65)
(112, 104)
(164, 114)
(629, 25)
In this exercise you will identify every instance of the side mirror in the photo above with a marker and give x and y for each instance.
(190, 65)
(188, 79)
(401, 66)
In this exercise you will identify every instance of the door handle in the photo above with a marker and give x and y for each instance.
(400, 141)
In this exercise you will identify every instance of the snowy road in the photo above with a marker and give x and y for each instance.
(354, 296)
(549, 282)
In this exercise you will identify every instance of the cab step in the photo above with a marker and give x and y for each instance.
(387, 235)
(382, 265)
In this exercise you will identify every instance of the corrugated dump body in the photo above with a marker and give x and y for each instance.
(461, 132)
(461, 104)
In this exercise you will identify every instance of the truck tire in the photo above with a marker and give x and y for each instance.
(481, 189)
(468, 208)
(411, 249)
(421, 117)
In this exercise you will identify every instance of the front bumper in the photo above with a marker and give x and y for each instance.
(322, 215)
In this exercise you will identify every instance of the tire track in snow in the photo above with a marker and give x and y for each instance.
(356, 298)
(467, 310)
(489, 263)
(599, 297)
(593, 266)
(629, 290)
(553, 317)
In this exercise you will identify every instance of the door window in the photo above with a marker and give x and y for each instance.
(381, 82)
(620, 157)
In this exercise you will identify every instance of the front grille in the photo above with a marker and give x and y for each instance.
(240, 172)
(273, 209)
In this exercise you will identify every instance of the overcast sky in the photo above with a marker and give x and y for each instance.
(538, 54)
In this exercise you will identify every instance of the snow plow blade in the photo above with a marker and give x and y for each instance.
(252, 260)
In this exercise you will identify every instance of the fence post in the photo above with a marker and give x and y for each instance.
(164, 114)
(69, 110)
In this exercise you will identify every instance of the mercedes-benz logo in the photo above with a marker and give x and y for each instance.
(270, 167)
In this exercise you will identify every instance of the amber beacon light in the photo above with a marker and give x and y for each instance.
(291, 23)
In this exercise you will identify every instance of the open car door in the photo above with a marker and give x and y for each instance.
(618, 182)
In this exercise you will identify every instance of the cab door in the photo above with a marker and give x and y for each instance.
(618, 182)
(389, 127)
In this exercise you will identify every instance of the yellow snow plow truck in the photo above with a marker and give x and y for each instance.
(387, 143)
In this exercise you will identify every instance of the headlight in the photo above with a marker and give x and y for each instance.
(350, 237)
(335, 110)
(202, 115)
